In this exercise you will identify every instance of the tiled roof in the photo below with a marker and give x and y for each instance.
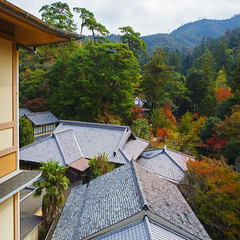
(165, 200)
(95, 138)
(141, 230)
(165, 162)
(23, 111)
(17, 183)
(42, 118)
(134, 148)
(74, 140)
(42, 151)
(119, 195)
(28, 224)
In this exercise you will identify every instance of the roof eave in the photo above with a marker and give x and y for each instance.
(19, 14)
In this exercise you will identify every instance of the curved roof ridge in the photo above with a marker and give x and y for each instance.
(160, 150)
(165, 150)
(60, 149)
(145, 205)
(35, 113)
(78, 145)
(123, 139)
(180, 153)
(147, 222)
(93, 124)
(124, 155)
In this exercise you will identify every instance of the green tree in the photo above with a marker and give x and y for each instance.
(235, 79)
(96, 80)
(200, 92)
(52, 185)
(58, 14)
(133, 40)
(25, 132)
(88, 20)
(84, 16)
(141, 128)
(208, 129)
(100, 165)
(186, 138)
(161, 85)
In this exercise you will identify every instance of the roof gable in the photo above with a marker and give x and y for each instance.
(121, 194)
(165, 162)
(165, 200)
(42, 118)
(23, 111)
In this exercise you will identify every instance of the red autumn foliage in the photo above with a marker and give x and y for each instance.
(215, 143)
(161, 133)
(169, 113)
(137, 111)
(222, 94)
(36, 105)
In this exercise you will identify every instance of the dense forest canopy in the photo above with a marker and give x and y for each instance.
(191, 99)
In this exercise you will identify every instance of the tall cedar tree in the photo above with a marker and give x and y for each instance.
(161, 85)
(133, 40)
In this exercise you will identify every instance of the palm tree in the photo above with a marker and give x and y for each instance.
(52, 184)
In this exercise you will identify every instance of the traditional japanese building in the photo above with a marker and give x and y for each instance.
(17, 29)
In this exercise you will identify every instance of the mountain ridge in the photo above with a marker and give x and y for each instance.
(188, 35)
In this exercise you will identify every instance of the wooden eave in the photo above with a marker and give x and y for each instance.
(29, 30)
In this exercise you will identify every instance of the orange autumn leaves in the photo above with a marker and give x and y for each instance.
(222, 94)
(214, 194)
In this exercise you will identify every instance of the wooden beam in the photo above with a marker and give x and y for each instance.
(8, 151)
(7, 125)
(16, 215)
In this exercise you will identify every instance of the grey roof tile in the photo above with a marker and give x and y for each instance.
(135, 231)
(159, 232)
(69, 146)
(23, 111)
(166, 163)
(107, 200)
(42, 150)
(74, 140)
(120, 194)
(28, 224)
(95, 138)
(165, 200)
(17, 183)
(141, 230)
(42, 118)
(134, 148)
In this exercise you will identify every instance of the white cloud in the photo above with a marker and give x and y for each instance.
(145, 16)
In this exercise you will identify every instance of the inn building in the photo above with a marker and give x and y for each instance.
(18, 29)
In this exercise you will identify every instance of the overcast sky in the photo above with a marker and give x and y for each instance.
(145, 16)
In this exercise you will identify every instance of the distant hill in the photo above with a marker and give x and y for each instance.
(189, 35)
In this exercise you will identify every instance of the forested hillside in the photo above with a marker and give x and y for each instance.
(189, 35)
(191, 100)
